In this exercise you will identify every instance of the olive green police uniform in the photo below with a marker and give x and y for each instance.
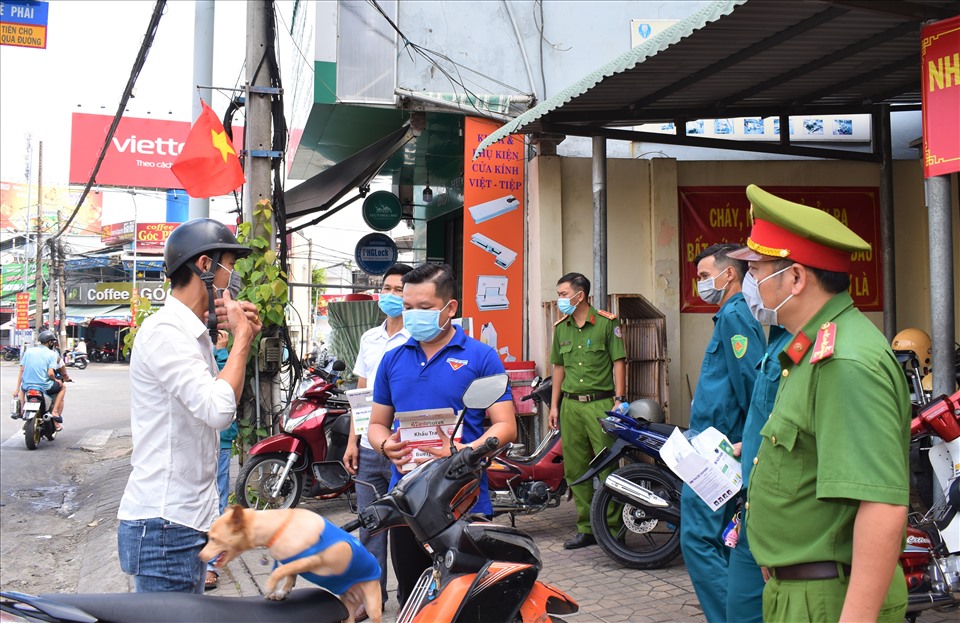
(838, 433)
(587, 354)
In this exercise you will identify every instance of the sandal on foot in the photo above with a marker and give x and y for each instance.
(212, 581)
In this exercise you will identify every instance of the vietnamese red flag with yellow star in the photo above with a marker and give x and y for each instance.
(208, 165)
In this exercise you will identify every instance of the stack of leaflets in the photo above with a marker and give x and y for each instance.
(706, 463)
(420, 429)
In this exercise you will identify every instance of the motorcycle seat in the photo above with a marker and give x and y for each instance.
(300, 605)
(664, 429)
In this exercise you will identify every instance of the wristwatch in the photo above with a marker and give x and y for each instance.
(619, 398)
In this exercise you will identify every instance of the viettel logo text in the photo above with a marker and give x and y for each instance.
(157, 146)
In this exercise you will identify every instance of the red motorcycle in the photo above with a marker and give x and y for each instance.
(522, 484)
(315, 428)
(931, 558)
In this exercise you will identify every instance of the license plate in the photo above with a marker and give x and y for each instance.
(32, 406)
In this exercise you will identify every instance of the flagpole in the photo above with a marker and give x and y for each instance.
(202, 75)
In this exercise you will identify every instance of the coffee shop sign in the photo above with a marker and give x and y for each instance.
(116, 293)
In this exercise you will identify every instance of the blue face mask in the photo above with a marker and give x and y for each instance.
(391, 304)
(565, 306)
(423, 324)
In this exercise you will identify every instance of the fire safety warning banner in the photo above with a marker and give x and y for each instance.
(715, 214)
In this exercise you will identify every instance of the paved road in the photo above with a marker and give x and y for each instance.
(59, 505)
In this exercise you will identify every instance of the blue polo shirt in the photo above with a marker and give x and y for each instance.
(728, 371)
(406, 381)
(36, 362)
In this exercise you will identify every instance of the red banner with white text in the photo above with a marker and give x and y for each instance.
(716, 214)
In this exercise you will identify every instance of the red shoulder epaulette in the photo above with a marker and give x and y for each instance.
(562, 318)
(607, 314)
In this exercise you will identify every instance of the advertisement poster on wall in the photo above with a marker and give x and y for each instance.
(716, 214)
(15, 197)
(493, 235)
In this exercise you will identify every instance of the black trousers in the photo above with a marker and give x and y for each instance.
(409, 561)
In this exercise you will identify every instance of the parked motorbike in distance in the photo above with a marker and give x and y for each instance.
(305, 604)
(38, 423)
(523, 484)
(481, 571)
(645, 496)
(315, 427)
(931, 558)
(11, 353)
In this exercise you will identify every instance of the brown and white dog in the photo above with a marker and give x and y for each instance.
(286, 534)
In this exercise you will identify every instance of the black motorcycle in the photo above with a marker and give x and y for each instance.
(38, 423)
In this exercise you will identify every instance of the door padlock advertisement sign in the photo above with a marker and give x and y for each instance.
(493, 236)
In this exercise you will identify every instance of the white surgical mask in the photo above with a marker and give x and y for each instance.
(709, 292)
(751, 293)
(233, 285)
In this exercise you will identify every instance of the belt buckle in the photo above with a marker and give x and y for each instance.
(583, 398)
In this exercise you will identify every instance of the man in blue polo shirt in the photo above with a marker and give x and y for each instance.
(431, 371)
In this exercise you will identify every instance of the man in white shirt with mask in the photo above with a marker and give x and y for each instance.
(369, 465)
(179, 403)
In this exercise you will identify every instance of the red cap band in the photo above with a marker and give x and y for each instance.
(800, 249)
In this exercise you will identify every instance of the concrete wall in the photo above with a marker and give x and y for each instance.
(643, 240)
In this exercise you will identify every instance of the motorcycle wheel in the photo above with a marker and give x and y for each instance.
(81, 364)
(32, 433)
(8, 356)
(257, 479)
(639, 542)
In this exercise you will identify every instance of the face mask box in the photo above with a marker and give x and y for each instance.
(420, 429)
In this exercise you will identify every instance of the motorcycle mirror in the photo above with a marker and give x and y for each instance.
(331, 474)
(483, 392)
(480, 394)
(339, 366)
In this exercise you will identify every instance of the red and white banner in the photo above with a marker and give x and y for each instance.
(940, 78)
(23, 310)
(153, 235)
(715, 214)
(140, 154)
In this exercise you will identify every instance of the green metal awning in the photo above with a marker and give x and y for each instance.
(628, 60)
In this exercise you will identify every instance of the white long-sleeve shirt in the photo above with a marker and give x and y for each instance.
(373, 344)
(177, 409)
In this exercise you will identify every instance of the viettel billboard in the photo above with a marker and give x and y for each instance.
(140, 153)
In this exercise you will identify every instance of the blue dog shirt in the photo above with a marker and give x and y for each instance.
(363, 566)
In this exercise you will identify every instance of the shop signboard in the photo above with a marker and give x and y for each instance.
(118, 233)
(116, 293)
(382, 210)
(152, 236)
(715, 214)
(375, 253)
(493, 235)
(940, 79)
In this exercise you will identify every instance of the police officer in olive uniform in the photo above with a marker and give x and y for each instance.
(589, 370)
(721, 400)
(827, 499)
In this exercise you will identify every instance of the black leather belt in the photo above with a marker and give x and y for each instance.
(825, 570)
(588, 397)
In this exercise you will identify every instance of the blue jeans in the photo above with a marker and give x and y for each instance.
(161, 556)
(377, 470)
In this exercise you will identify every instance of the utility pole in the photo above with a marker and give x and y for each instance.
(258, 134)
(310, 306)
(39, 275)
(61, 284)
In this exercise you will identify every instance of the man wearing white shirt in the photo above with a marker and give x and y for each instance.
(179, 403)
(368, 464)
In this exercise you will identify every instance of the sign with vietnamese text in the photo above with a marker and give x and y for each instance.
(940, 79)
(493, 237)
(23, 310)
(152, 236)
(715, 214)
(23, 23)
(118, 233)
(116, 293)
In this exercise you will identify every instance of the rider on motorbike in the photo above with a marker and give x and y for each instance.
(38, 370)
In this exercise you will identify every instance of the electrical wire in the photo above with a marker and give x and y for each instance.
(127, 91)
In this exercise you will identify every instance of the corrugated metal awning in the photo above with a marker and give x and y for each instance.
(743, 58)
